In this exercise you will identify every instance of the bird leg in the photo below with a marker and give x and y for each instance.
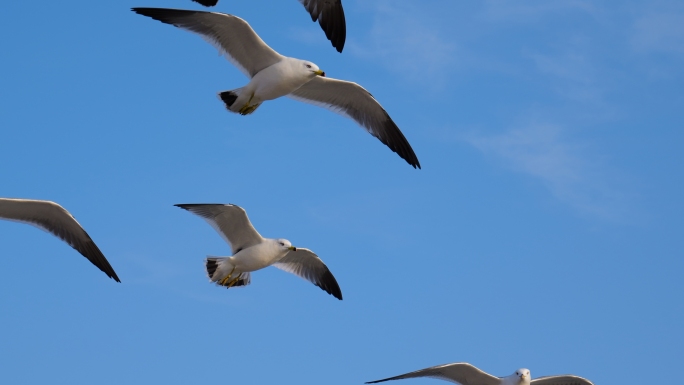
(224, 280)
(234, 281)
(247, 109)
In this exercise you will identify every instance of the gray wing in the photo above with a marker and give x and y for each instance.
(330, 16)
(353, 101)
(305, 264)
(230, 221)
(459, 373)
(230, 34)
(53, 218)
(561, 380)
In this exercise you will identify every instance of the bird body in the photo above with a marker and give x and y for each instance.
(293, 74)
(253, 258)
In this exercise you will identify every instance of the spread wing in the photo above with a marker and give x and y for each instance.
(53, 218)
(230, 34)
(353, 101)
(330, 16)
(459, 373)
(305, 264)
(230, 221)
(561, 380)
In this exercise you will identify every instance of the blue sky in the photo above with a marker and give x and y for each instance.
(544, 230)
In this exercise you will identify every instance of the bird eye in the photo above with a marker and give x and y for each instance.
(308, 66)
(282, 244)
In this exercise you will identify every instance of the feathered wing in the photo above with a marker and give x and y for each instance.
(53, 218)
(561, 380)
(230, 221)
(231, 35)
(459, 373)
(353, 101)
(330, 16)
(305, 264)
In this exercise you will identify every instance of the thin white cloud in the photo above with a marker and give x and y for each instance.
(565, 168)
(525, 11)
(572, 75)
(659, 32)
(405, 40)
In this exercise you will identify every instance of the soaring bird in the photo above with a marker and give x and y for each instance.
(53, 218)
(273, 75)
(466, 374)
(252, 252)
(328, 13)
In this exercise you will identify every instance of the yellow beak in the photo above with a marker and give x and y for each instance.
(320, 73)
(292, 248)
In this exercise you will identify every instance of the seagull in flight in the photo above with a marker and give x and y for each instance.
(273, 75)
(328, 13)
(53, 218)
(467, 374)
(252, 252)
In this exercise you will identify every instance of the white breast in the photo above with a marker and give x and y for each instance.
(258, 256)
(280, 79)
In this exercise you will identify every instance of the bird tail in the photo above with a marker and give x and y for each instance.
(235, 280)
(243, 108)
(229, 97)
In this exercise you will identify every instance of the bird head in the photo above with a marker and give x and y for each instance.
(523, 375)
(286, 245)
(312, 69)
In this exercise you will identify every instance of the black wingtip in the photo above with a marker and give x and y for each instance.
(207, 3)
(187, 206)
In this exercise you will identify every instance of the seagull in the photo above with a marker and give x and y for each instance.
(466, 374)
(251, 252)
(328, 13)
(273, 75)
(53, 218)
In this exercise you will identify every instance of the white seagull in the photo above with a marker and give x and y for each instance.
(273, 75)
(466, 374)
(328, 13)
(251, 252)
(53, 218)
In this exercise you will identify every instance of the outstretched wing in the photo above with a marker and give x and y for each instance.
(305, 264)
(561, 380)
(230, 221)
(459, 373)
(353, 101)
(330, 16)
(231, 35)
(53, 218)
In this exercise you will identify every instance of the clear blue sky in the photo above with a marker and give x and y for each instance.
(544, 230)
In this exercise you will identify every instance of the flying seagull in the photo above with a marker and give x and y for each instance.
(273, 75)
(53, 218)
(466, 374)
(251, 252)
(328, 13)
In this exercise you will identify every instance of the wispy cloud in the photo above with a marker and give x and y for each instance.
(659, 32)
(571, 74)
(512, 10)
(542, 151)
(404, 39)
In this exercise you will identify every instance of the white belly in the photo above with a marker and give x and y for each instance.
(257, 257)
(277, 80)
